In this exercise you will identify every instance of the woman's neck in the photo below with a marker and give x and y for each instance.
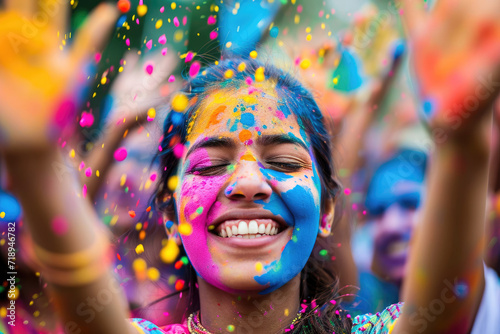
(249, 313)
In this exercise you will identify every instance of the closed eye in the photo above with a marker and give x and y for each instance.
(210, 170)
(283, 166)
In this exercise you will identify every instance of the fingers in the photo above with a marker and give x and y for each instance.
(413, 15)
(383, 87)
(94, 33)
(57, 11)
(25, 7)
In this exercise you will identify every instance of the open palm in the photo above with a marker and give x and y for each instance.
(41, 78)
(456, 57)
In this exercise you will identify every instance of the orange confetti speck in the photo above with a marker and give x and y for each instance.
(131, 213)
(124, 6)
(179, 285)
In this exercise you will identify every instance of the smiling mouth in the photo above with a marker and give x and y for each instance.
(248, 229)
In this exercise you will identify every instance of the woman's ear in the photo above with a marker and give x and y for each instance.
(170, 223)
(326, 220)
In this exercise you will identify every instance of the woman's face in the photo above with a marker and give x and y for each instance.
(250, 189)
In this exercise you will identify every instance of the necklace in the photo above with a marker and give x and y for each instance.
(195, 326)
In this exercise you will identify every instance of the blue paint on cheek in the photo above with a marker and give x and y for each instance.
(247, 120)
(305, 211)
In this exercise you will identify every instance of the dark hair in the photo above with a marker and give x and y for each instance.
(318, 284)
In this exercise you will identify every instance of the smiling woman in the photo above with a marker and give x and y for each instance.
(254, 181)
(247, 177)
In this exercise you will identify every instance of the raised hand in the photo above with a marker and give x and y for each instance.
(456, 56)
(42, 72)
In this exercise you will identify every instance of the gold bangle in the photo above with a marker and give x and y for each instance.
(77, 276)
(73, 260)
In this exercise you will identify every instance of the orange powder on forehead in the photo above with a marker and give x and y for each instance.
(214, 118)
(245, 135)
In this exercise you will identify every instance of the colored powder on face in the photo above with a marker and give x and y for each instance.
(215, 116)
(248, 156)
(300, 209)
(280, 114)
(247, 120)
(245, 135)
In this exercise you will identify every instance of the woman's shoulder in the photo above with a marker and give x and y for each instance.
(146, 327)
(378, 323)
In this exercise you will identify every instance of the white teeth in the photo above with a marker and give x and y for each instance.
(268, 229)
(248, 230)
(242, 228)
(253, 228)
(262, 228)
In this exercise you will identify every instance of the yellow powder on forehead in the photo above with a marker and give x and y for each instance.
(217, 102)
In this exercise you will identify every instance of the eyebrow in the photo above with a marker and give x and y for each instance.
(212, 142)
(268, 140)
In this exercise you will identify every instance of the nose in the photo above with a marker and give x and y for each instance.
(248, 183)
(395, 218)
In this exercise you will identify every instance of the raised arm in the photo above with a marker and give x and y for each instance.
(456, 57)
(39, 94)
